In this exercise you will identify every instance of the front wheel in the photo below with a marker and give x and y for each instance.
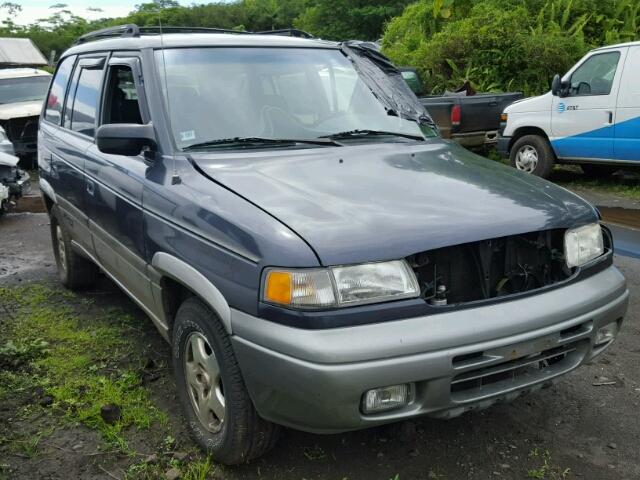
(533, 154)
(211, 389)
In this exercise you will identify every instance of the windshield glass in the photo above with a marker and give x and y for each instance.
(277, 93)
(25, 89)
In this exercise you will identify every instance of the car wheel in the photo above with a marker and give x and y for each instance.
(217, 406)
(533, 154)
(75, 271)
(597, 171)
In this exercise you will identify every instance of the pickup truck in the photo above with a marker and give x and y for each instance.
(472, 120)
(285, 212)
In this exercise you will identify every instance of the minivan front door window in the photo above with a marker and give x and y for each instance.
(215, 94)
(121, 97)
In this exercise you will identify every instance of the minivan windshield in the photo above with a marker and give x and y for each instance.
(217, 94)
(23, 89)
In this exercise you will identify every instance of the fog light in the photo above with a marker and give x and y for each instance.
(607, 333)
(385, 398)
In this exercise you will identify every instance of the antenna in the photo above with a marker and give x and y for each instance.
(175, 178)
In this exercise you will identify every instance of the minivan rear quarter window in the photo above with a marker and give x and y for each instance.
(58, 87)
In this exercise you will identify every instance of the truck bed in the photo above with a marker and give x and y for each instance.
(479, 115)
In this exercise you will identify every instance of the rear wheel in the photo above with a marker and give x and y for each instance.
(211, 389)
(597, 171)
(75, 271)
(533, 154)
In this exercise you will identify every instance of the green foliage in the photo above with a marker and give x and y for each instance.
(355, 19)
(73, 359)
(500, 45)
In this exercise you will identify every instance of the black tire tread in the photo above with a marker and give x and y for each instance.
(545, 161)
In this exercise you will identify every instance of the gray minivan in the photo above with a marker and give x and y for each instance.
(318, 257)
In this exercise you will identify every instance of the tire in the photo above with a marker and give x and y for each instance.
(205, 367)
(598, 171)
(75, 271)
(532, 154)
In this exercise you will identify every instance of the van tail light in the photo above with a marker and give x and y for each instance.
(456, 115)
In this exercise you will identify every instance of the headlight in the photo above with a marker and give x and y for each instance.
(583, 244)
(341, 286)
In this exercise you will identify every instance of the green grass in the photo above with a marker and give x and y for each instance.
(610, 186)
(82, 361)
(546, 471)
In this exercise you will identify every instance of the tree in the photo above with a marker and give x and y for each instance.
(349, 19)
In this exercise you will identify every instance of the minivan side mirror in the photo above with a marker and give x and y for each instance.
(125, 138)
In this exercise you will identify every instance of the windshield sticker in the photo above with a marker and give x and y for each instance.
(188, 135)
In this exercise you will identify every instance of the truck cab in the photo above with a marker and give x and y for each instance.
(591, 117)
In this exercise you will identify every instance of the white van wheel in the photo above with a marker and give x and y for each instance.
(533, 154)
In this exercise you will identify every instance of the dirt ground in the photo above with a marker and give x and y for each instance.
(587, 426)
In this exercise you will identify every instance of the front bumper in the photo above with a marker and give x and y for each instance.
(475, 139)
(502, 146)
(313, 380)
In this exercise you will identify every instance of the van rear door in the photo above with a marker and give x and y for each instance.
(582, 121)
(627, 129)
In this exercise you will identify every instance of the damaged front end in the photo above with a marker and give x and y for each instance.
(493, 269)
(16, 180)
(22, 132)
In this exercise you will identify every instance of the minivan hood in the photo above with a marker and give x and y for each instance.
(20, 109)
(387, 201)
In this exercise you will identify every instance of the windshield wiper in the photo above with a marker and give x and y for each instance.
(370, 133)
(262, 141)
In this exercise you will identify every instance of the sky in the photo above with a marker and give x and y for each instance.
(32, 10)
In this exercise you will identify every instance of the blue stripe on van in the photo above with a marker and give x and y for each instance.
(599, 143)
(627, 145)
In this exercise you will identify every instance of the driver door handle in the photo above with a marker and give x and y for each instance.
(609, 116)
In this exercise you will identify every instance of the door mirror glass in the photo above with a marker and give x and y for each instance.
(125, 138)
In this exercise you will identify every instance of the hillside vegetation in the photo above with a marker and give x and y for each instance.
(497, 45)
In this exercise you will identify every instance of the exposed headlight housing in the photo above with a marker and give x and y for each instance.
(583, 244)
(343, 286)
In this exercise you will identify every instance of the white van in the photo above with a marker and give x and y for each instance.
(591, 117)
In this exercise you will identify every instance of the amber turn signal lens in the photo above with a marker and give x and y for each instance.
(504, 117)
(278, 287)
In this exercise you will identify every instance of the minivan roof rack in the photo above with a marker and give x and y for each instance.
(287, 32)
(133, 30)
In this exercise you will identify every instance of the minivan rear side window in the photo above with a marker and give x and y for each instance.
(85, 103)
(55, 99)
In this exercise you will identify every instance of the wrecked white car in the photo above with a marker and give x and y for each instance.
(4, 199)
(16, 180)
(5, 144)
(22, 92)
